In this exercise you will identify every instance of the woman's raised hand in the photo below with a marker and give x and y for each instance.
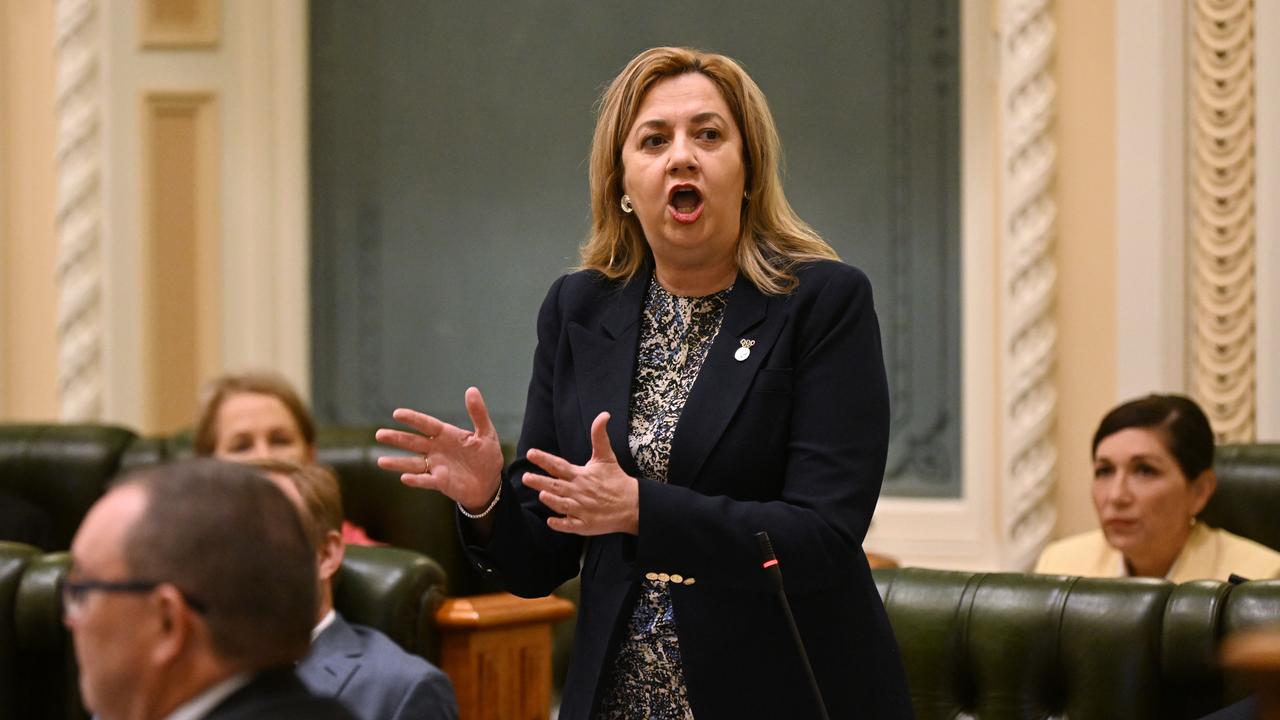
(592, 499)
(464, 465)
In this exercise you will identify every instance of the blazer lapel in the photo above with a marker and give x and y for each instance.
(604, 362)
(333, 660)
(723, 380)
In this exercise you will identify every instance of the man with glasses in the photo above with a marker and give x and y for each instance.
(190, 597)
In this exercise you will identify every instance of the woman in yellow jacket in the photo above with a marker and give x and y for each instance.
(1153, 473)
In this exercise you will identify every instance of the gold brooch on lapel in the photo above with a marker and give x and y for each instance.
(743, 352)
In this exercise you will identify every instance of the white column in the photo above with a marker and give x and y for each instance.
(1223, 215)
(1150, 199)
(1027, 279)
(79, 210)
(1267, 81)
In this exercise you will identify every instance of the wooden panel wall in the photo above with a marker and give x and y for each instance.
(180, 201)
(178, 23)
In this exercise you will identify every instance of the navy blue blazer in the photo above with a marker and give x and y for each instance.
(374, 678)
(791, 440)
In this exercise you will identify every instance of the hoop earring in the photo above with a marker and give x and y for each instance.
(746, 194)
(625, 202)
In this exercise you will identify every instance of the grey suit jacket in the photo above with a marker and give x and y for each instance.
(374, 678)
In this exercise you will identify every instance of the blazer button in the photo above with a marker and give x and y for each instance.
(663, 577)
(677, 579)
(651, 576)
(689, 581)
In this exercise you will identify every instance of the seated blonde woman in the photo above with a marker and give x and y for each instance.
(258, 416)
(1152, 474)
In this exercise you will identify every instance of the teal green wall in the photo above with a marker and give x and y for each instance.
(449, 146)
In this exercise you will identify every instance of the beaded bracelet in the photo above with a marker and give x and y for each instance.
(492, 504)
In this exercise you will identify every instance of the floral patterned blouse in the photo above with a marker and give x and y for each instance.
(645, 678)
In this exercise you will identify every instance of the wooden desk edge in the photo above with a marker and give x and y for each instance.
(499, 610)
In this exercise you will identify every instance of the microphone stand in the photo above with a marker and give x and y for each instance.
(771, 568)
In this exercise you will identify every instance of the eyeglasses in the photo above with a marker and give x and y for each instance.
(74, 592)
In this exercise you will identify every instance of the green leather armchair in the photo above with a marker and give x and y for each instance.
(396, 591)
(52, 474)
(48, 684)
(1248, 498)
(14, 559)
(1004, 645)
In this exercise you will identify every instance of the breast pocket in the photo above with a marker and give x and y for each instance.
(772, 380)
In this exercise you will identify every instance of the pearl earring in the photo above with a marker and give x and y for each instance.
(627, 207)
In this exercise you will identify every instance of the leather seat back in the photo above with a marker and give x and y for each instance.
(54, 473)
(47, 672)
(1003, 645)
(395, 591)
(14, 558)
(1247, 501)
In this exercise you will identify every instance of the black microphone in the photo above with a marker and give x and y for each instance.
(774, 572)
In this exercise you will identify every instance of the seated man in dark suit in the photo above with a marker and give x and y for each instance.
(190, 595)
(364, 669)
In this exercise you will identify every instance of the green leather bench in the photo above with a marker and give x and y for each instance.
(55, 472)
(52, 473)
(397, 591)
(1007, 645)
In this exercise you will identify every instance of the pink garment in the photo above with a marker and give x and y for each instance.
(353, 534)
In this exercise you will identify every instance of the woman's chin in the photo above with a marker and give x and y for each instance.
(1124, 540)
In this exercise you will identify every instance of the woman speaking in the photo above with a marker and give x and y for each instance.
(712, 371)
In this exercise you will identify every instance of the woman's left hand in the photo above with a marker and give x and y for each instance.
(592, 499)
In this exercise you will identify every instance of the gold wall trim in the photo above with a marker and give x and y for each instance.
(180, 253)
(1222, 150)
(178, 23)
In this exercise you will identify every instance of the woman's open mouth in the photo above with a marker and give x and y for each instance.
(685, 203)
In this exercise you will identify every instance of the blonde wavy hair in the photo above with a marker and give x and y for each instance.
(773, 238)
